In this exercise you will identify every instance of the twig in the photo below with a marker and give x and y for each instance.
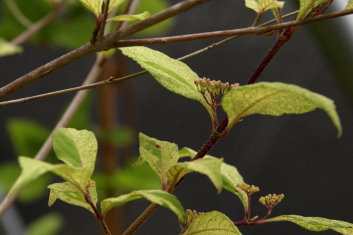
(231, 32)
(105, 44)
(114, 80)
(57, 6)
(130, 9)
(17, 13)
(66, 117)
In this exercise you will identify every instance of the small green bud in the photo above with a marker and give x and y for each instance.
(271, 200)
(249, 189)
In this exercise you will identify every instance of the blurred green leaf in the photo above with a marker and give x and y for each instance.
(70, 194)
(6, 48)
(8, 174)
(140, 16)
(211, 223)
(153, 7)
(76, 148)
(316, 224)
(120, 136)
(49, 224)
(26, 136)
(159, 197)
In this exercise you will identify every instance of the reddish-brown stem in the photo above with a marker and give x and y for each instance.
(212, 140)
(281, 40)
(248, 210)
(97, 214)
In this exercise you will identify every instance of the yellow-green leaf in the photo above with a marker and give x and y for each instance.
(160, 155)
(76, 148)
(170, 73)
(316, 224)
(211, 167)
(32, 169)
(70, 194)
(349, 5)
(7, 48)
(141, 16)
(159, 197)
(261, 6)
(306, 6)
(275, 99)
(211, 223)
(95, 6)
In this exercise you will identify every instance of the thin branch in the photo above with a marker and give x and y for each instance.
(105, 44)
(130, 9)
(65, 118)
(114, 80)
(57, 7)
(231, 32)
(17, 13)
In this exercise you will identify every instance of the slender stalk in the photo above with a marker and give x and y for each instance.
(17, 13)
(34, 28)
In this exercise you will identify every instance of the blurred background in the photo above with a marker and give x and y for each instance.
(297, 155)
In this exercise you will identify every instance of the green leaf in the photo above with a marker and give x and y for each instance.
(160, 155)
(349, 5)
(70, 194)
(170, 73)
(8, 174)
(49, 224)
(155, 6)
(275, 99)
(231, 178)
(159, 197)
(26, 136)
(211, 223)
(140, 16)
(306, 6)
(6, 48)
(207, 166)
(32, 169)
(131, 178)
(95, 6)
(75, 148)
(260, 6)
(316, 224)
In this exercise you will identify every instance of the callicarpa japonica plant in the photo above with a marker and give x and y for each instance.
(101, 185)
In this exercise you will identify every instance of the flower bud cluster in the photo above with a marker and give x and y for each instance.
(249, 189)
(191, 215)
(213, 87)
(271, 200)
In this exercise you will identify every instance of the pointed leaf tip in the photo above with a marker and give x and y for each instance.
(275, 99)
